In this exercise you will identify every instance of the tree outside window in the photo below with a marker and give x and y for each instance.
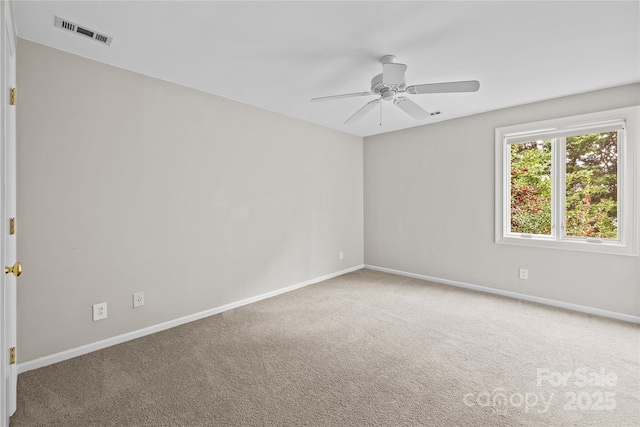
(591, 176)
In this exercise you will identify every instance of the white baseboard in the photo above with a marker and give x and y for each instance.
(79, 351)
(516, 295)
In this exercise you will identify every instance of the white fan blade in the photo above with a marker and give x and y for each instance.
(361, 112)
(411, 108)
(466, 86)
(346, 95)
(393, 74)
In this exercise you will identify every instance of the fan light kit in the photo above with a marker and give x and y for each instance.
(391, 83)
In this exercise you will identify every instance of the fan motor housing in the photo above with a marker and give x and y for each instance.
(387, 91)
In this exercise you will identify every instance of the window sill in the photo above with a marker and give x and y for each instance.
(599, 246)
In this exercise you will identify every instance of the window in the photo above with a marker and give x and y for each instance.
(569, 183)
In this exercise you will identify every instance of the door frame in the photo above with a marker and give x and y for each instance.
(8, 371)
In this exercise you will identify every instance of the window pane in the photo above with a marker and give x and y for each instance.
(531, 187)
(592, 185)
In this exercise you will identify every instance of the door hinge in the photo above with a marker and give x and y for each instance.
(12, 96)
(12, 226)
(12, 356)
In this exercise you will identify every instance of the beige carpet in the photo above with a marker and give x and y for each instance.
(363, 349)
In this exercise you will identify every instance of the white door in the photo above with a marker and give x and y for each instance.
(8, 276)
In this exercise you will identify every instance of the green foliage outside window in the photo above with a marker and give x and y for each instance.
(531, 187)
(591, 186)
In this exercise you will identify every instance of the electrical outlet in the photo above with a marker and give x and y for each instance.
(341, 255)
(138, 299)
(99, 311)
(524, 273)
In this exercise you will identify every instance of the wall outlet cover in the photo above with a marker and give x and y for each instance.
(138, 299)
(99, 311)
(524, 273)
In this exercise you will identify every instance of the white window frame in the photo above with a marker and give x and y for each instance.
(628, 223)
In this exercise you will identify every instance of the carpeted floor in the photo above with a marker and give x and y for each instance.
(363, 349)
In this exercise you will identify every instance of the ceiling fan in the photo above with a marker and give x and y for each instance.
(391, 83)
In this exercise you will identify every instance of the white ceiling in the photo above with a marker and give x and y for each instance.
(279, 55)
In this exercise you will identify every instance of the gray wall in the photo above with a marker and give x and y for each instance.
(429, 210)
(127, 183)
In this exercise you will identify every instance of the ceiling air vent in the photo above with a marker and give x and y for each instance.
(84, 31)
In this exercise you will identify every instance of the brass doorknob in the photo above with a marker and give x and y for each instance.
(16, 269)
